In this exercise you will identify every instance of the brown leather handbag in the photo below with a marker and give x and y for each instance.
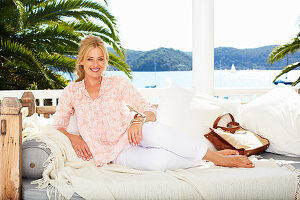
(233, 136)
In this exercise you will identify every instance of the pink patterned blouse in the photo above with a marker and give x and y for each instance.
(102, 122)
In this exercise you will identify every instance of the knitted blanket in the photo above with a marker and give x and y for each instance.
(69, 174)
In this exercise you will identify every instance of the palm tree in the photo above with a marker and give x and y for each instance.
(40, 37)
(281, 51)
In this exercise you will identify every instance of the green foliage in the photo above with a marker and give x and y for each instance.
(282, 51)
(39, 38)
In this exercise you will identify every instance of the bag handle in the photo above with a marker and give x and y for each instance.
(229, 125)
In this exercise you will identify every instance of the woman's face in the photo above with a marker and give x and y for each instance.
(94, 63)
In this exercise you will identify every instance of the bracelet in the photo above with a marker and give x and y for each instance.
(137, 120)
(143, 119)
(135, 123)
(138, 114)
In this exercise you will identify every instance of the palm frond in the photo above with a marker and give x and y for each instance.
(119, 50)
(296, 82)
(280, 52)
(72, 8)
(7, 8)
(21, 13)
(58, 62)
(287, 69)
(56, 81)
(101, 18)
(11, 12)
(14, 50)
(37, 36)
(88, 28)
(7, 30)
(120, 64)
(59, 35)
(18, 75)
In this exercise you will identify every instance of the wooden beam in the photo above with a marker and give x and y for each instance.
(46, 110)
(10, 149)
(28, 100)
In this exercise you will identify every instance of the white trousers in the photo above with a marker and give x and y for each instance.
(162, 148)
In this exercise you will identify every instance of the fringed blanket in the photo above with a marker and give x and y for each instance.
(68, 174)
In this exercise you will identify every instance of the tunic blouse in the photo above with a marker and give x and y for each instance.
(102, 122)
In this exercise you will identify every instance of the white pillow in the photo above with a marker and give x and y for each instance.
(32, 120)
(275, 116)
(192, 114)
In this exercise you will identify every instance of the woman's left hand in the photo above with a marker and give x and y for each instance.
(135, 134)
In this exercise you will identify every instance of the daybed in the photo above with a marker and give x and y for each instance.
(269, 180)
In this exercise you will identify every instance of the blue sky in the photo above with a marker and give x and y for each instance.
(150, 24)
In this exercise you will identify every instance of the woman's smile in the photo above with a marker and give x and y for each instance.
(95, 69)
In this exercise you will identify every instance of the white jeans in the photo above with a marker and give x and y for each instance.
(162, 148)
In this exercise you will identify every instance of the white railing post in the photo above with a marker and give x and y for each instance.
(203, 45)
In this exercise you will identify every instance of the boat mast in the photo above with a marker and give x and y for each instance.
(155, 69)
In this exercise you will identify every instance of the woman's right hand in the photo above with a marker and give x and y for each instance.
(81, 148)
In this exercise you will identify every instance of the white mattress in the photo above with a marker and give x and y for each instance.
(30, 192)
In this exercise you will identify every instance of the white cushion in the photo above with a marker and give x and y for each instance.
(191, 113)
(275, 116)
(72, 127)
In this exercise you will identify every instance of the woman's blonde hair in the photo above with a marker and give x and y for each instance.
(85, 46)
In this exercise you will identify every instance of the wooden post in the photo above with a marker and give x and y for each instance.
(10, 149)
(28, 100)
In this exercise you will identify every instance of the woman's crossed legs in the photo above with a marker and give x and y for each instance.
(165, 148)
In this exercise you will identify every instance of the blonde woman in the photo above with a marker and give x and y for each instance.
(109, 133)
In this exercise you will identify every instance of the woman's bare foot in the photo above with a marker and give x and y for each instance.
(234, 161)
(228, 160)
(228, 152)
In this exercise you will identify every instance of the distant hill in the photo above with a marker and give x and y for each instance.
(254, 58)
(168, 59)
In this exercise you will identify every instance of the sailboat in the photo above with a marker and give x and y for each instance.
(233, 70)
(153, 86)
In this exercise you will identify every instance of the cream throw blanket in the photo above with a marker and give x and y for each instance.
(69, 174)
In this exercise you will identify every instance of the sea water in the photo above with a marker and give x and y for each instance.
(222, 78)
